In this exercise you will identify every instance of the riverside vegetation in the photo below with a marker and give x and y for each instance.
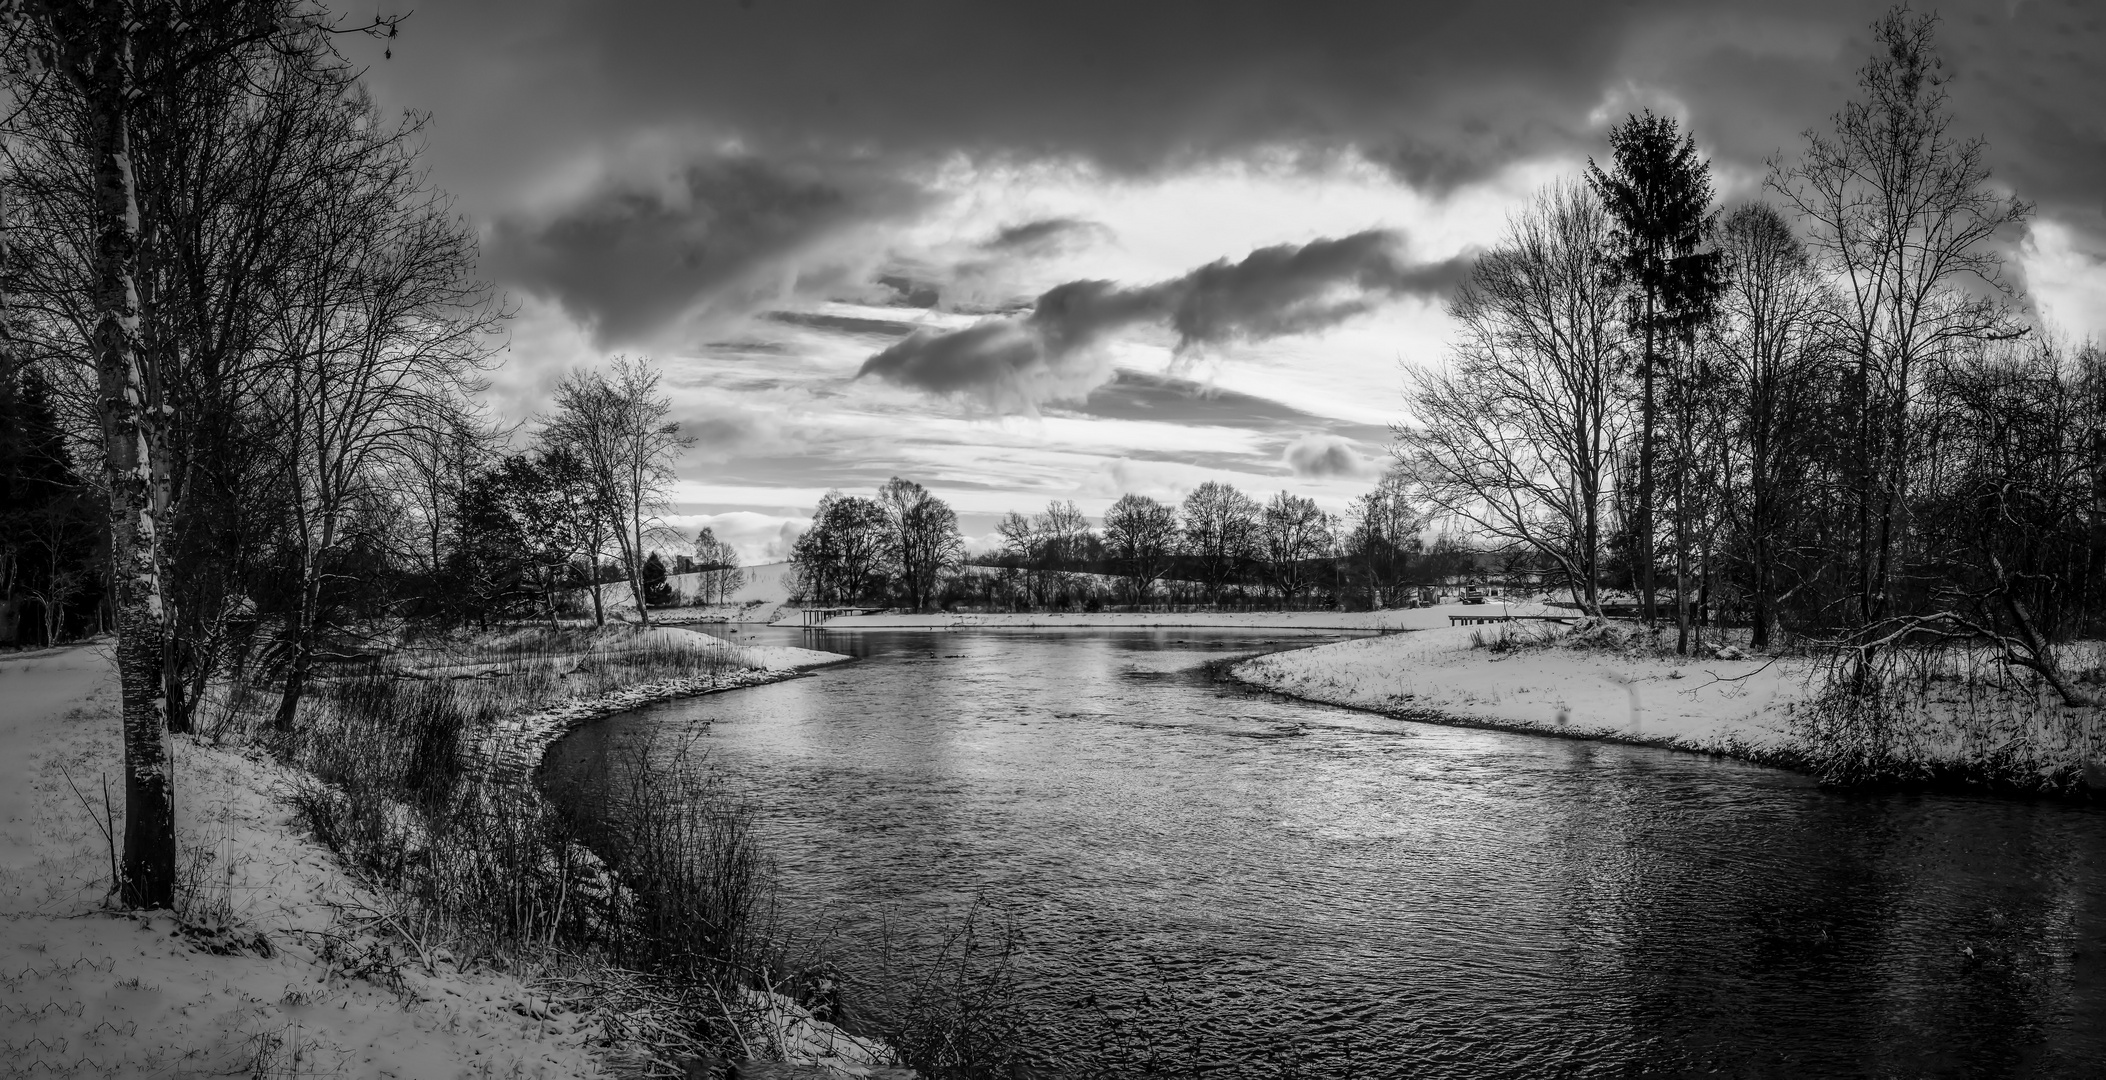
(1928, 714)
(660, 923)
(669, 942)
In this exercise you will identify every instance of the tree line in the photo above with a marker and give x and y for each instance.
(1822, 412)
(241, 344)
(1217, 546)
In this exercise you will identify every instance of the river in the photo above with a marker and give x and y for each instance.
(1261, 887)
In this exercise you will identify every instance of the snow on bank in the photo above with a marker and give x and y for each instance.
(778, 658)
(1424, 618)
(263, 974)
(513, 749)
(1690, 703)
(758, 598)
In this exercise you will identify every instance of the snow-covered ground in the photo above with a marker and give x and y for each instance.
(512, 748)
(760, 599)
(1693, 703)
(1396, 619)
(263, 982)
(763, 657)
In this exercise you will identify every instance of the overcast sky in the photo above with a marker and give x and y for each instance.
(1022, 252)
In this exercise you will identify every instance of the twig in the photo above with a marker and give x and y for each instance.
(736, 1028)
(1717, 678)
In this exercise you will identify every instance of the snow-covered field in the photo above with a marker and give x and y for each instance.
(88, 991)
(1693, 703)
(1396, 619)
(760, 599)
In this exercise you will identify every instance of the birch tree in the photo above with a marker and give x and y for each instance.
(88, 49)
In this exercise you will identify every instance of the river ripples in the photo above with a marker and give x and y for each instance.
(1271, 888)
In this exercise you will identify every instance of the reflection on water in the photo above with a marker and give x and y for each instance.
(1388, 898)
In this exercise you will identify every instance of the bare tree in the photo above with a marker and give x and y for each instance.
(1220, 529)
(380, 327)
(839, 558)
(144, 118)
(90, 46)
(616, 423)
(1772, 333)
(1293, 532)
(1142, 535)
(1064, 538)
(1382, 534)
(1901, 215)
(1518, 436)
(924, 539)
(717, 564)
(2006, 520)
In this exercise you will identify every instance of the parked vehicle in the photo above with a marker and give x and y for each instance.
(1471, 594)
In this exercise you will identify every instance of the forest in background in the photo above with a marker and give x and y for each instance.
(1826, 414)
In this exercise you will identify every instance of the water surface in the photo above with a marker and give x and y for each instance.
(1255, 883)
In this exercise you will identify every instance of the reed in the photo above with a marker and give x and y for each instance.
(472, 868)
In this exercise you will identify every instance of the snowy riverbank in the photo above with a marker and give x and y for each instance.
(1375, 621)
(1959, 719)
(257, 971)
(277, 961)
(512, 749)
(1708, 704)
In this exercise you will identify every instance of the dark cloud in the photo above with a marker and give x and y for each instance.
(1045, 236)
(1022, 361)
(1285, 289)
(907, 291)
(845, 324)
(746, 346)
(1317, 456)
(1136, 395)
(1442, 92)
(635, 252)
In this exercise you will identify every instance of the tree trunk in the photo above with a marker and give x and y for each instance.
(632, 553)
(297, 670)
(1863, 467)
(1646, 421)
(592, 574)
(1682, 540)
(1759, 517)
(127, 433)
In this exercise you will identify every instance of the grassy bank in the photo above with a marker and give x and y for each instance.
(1952, 718)
(418, 775)
(378, 892)
(279, 959)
